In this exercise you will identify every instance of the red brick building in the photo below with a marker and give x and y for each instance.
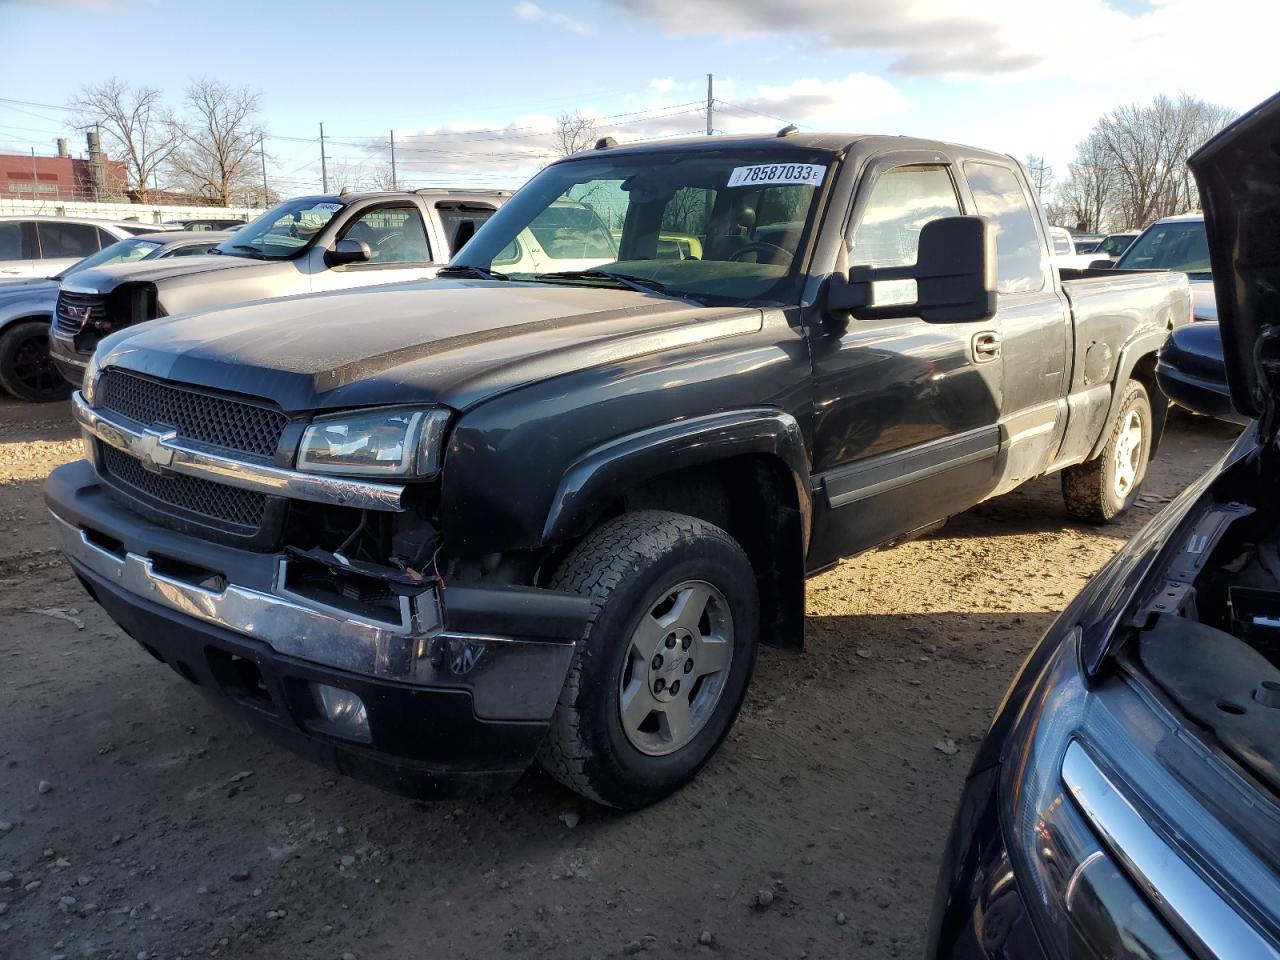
(62, 177)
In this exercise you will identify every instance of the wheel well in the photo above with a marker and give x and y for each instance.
(1144, 371)
(755, 500)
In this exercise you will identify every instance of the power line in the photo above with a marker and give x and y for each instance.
(738, 106)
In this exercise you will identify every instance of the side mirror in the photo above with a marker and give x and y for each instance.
(1101, 264)
(954, 272)
(347, 251)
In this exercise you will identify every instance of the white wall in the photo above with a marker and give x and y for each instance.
(145, 212)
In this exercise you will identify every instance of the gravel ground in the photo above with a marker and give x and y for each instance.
(136, 820)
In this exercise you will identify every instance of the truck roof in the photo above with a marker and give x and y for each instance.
(432, 193)
(832, 143)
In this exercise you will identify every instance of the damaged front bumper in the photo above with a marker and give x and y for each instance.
(459, 684)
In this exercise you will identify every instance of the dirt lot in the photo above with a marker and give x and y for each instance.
(137, 821)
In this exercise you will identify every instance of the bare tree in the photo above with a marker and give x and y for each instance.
(1041, 174)
(1087, 198)
(136, 124)
(1146, 148)
(218, 141)
(379, 177)
(574, 131)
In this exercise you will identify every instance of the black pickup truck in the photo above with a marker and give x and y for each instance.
(425, 533)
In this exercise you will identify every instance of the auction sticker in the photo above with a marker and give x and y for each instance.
(809, 174)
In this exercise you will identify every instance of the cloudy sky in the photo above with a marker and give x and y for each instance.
(472, 89)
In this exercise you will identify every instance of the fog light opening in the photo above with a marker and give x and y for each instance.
(341, 713)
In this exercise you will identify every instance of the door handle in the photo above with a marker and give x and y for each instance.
(986, 346)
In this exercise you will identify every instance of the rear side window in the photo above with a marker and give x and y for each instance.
(67, 240)
(1061, 245)
(461, 221)
(902, 201)
(11, 241)
(1000, 198)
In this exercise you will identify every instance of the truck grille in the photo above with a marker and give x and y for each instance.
(219, 421)
(203, 498)
(76, 310)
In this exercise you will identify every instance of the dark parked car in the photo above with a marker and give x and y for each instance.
(26, 309)
(1193, 373)
(427, 532)
(1126, 801)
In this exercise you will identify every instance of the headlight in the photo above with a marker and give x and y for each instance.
(389, 442)
(1083, 901)
(89, 385)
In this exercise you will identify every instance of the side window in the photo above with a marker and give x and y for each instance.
(104, 239)
(1000, 198)
(394, 234)
(1061, 245)
(461, 221)
(11, 241)
(67, 240)
(902, 201)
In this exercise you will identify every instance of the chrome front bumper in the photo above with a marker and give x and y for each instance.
(509, 677)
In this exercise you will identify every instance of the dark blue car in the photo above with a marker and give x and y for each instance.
(1126, 800)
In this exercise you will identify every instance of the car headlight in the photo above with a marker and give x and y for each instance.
(89, 385)
(387, 442)
(1083, 901)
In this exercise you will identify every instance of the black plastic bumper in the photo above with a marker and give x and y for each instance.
(505, 651)
(426, 743)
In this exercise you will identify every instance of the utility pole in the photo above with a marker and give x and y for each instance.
(324, 168)
(262, 154)
(393, 161)
(710, 107)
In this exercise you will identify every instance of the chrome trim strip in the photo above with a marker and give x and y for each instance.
(167, 452)
(1182, 896)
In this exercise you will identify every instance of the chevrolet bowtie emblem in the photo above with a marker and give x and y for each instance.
(151, 449)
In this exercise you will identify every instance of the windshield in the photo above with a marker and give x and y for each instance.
(282, 232)
(1115, 244)
(722, 226)
(1181, 245)
(122, 251)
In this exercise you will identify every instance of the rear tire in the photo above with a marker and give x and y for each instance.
(1103, 490)
(661, 672)
(26, 369)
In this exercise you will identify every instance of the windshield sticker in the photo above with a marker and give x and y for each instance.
(327, 207)
(808, 174)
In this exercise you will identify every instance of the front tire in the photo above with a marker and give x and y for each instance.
(1103, 490)
(26, 369)
(660, 675)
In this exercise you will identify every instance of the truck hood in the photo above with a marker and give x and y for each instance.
(1238, 173)
(106, 279)
(455, 342)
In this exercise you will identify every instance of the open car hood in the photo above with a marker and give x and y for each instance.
(1238, 173)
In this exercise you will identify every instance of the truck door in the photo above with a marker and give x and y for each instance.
(905, 427)
(398, 244)
(1034, 323)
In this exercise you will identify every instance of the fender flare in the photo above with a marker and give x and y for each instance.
(595, 479)
(1145, 345)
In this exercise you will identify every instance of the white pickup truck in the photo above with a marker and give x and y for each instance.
(304, 245)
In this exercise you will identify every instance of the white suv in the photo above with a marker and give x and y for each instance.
(32, 246)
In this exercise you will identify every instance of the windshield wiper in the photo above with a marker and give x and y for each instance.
(642, 284)
(467, 270)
